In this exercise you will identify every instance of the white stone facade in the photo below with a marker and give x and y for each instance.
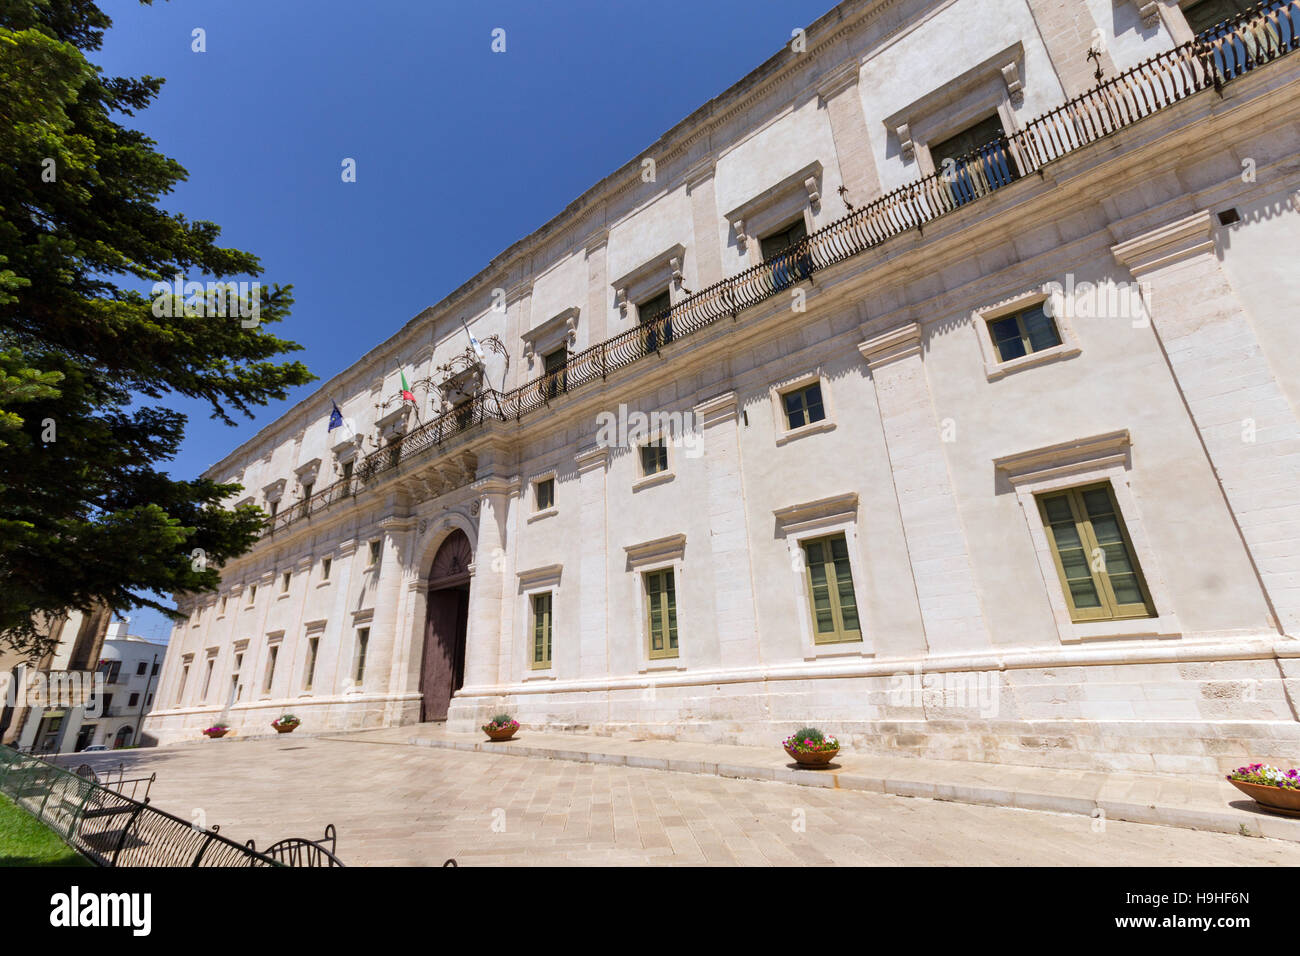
(1167, 253)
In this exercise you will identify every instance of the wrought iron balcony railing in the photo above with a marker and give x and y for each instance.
(1216, 57)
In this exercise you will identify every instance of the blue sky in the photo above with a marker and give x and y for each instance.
(460, 151)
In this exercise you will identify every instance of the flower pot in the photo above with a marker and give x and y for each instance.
(500, 733)
(813, 758)
(285, 728)
(216, 733)
(1270, 798)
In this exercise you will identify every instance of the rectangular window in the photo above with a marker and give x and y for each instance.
(542, 630)
(325, 564)
(544, 494)
(273, 654)
(803, 406)
(1028, 331)
(661, 613)
(185, 679)
(133, 700)
(141, 668)
(347, 469)
(1208, 13)
(778, 242)
(556, 380)
(359, 669)
(1093, 555)
(376, 552)
(651, 312)
(252, 594)
(309, 673)
(234, 678)
(654, 457)
(223, 603)
(274, 506)
(284, 582)
(830, 590)
(207, 678)
(975, 161)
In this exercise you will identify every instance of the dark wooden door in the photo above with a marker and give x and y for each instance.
(443, 670)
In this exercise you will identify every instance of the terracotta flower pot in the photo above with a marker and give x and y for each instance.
(500, 733)
(813, 758)
(285, 728)
(216, 733)
(1272, 798)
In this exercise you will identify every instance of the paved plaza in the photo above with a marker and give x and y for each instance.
(397, 804)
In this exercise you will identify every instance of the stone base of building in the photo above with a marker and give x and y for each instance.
(1182, 717)
(325, 715)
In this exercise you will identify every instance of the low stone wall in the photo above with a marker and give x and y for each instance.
(325, 715)
(1189, 717)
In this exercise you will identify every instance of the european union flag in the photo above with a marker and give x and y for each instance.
(336, 418)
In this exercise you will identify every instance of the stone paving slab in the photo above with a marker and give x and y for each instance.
(1190, 802)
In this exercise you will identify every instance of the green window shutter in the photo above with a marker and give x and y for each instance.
(831, 597)
(542, 630)
(661, 613)
(1093, 555)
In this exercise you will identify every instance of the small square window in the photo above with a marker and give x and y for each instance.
(1028, 331)
(654, 457)
(544, 494)
(803, 406)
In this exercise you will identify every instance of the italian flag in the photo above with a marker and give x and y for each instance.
(407, 394)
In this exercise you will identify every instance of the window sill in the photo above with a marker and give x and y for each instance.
(539, 515)
(649, 481)
(282, 596)
(1054, 354)
(662, 664)
(1134, 628)
(322, 584)
(858, 648)
(825, 425)
(541, 673)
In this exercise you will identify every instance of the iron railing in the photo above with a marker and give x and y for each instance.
(1216, 57)
(111, 829)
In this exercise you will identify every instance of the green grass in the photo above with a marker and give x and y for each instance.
(25, 841)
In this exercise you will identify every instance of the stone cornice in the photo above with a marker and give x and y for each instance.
(719, 408)
(669, 548)
(836, 507)
(540, 576)
(590, 459)
(838, 78)
(1051, 461)
(1167, 244)
(892, 345)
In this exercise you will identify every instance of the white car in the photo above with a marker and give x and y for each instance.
(93, 748)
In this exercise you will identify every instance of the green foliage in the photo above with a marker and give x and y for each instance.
(85, 514)
(809, 733)
(499, 720)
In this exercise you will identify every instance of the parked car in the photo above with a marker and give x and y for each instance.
(96, 747)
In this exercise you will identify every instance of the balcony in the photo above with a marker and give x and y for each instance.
(1214, 58)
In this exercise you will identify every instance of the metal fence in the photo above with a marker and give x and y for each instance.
(112, 829)
(1216, 57)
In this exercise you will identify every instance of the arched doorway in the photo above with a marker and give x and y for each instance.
(123, 738)
(443, 669)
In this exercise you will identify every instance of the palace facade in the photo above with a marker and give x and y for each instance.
(936, 384)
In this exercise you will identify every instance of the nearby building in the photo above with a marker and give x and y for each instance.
(24, 721)
(920, 386)
(131, 667)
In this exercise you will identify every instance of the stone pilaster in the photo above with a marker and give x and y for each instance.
(936, 543)
(330, 668)
(596, 315)
(519, 301)
(593, 584)
(728, 542)
(704, 219)
(483, 646)
(1248, 428)
(1067, 32)
(839, 94)
(381, 656)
